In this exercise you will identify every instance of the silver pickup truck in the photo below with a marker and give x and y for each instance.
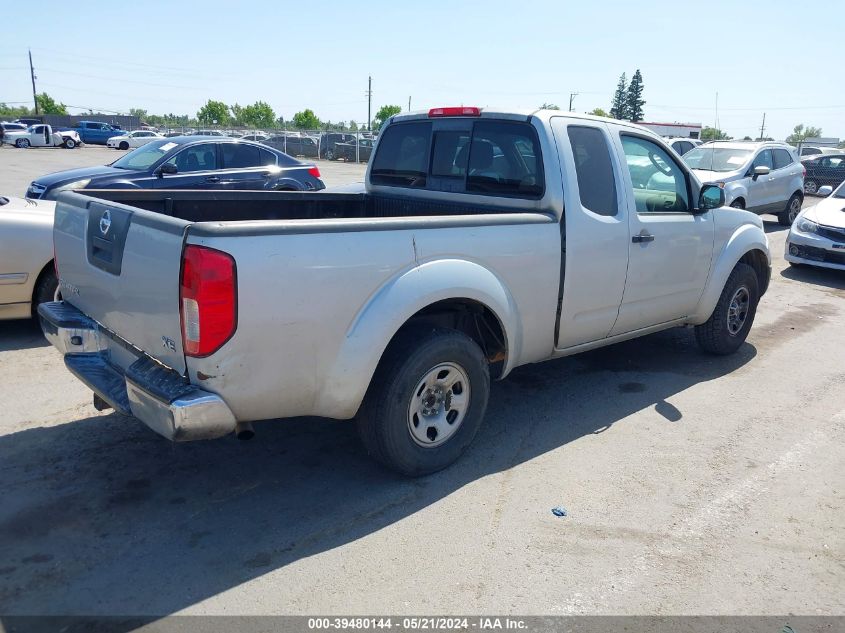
(480, 241)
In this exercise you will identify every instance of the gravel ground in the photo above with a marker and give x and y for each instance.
(693, 485)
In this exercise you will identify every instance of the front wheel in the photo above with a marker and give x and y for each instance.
(124, 145)
(330, 154)
(738, 204)
(793, 208)
(426, 400)
(727, 328)
(70, 143)
(22, 143)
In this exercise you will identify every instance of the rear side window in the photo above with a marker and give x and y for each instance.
(237, 156)
(594, 169)
(401, 159)
(267, 158)
(782, 158)
(504, 160)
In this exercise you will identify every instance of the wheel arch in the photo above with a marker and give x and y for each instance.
(48, 268)
(481, 307)
(747, 245)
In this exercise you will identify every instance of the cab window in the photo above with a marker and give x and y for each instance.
(659, 183)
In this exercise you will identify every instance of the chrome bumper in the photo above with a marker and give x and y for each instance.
(156, 395)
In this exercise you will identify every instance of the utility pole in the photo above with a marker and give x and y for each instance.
(763, 127)
(32, 75)
(369, 102)
(572, 96)
(409, 104)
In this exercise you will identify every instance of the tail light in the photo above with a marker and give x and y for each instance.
(314, 171)
(458, 111)
(208, 299)
(803, 171)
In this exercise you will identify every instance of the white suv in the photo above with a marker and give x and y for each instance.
(760, 177)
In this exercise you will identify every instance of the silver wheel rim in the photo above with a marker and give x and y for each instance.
(438, 405)
(810, 187)
(738, 310)
(794, 209)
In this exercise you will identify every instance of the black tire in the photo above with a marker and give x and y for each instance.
(124, 145)
(70, 143)
(22, 143)
(330, 154)
(738, 204)
(811, 187)
(45, 289)
(384, 421)
(793, 208)
(715, 335)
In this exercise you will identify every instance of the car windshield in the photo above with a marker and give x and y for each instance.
(145, 156)
(717, 158)
(840, 191)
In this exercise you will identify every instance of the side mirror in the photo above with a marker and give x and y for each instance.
(711, 197)
(166, 168)
(825, 191)
(761, 170)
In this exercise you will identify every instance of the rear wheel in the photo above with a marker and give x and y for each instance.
(793, 208)
(811, 187)
(330, 154)
(426, 400)
(46, 289)
(727, 328)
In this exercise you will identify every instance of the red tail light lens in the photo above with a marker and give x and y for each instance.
(207, 299)
(314, 171)
(804, 171)
(458, 111)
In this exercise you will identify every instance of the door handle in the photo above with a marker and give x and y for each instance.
(642, 237)
(213, 179)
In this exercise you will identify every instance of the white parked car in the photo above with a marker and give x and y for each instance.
(760, 177)
(817, 237)
(27, 276)
(133, 139)
(42, 135)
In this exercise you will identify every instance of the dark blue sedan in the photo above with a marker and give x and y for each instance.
(188, 162)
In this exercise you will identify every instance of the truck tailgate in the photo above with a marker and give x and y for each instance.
(121, 266)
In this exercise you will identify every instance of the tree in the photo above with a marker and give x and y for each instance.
(714, 134)
(353, 126)
(549, 106)
(634, 98)
(598, 112)
(746, 138)
(13, 112)
(799, 133)
(214, 112)
(619, 106)
(237, 114)
(384, 113)
(48, 105)
(259, 114)
(306, 120)
(138, 112)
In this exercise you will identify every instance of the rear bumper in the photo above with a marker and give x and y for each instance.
(159, 397)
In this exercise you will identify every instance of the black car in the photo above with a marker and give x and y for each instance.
(328, 142)
(294, 145)
(824, 169)
(188, 162)
(347, 151)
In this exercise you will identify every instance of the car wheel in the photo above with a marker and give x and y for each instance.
(426, 400)
(811, 187)
(70, 143)
(22, 143)
(124, 145)
(46, 289)
(727, 328)
(738, 204)
(793, 208)
(330, 154)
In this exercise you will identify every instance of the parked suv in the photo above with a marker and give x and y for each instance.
(683, 145)
(761, 177)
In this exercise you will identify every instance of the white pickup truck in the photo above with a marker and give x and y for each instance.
(482, 241)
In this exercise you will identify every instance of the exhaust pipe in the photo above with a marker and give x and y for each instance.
(244, 431)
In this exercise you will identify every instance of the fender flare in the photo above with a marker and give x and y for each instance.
(737, 190)
(745, 239)
(391, 306)
(287, 182)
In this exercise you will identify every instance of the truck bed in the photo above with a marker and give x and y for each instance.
(228, 206)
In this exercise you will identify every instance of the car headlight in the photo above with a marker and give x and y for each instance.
(806, 226)
(76, 184)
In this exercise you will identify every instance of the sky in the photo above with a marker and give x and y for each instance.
(173, 56)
